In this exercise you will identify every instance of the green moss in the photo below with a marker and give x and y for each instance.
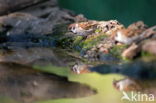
(78, 39)
(80, 42)
(92, 41)
(117, 50)
(146, 54)
(65, 42)
(76, 42)
(98, 31)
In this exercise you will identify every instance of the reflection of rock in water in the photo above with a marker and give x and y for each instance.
(139, 69)
(140, 75)
(26, 85)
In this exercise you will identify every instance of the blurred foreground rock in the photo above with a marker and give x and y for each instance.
(23, 23)
(32, 17)
(150, 46)
(145, 48)
(7, 6)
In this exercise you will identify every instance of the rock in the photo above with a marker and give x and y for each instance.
(96, 38)
(44, 17)
(138, 25)
(106, 57)
(42, 9)
(147, 34)
(103, 50)
(146, 43)
(96, 47)
(52, 13)
(131, 51)
(23, 23)
(7, 6)
(41, 56)
(35, 56)
(150, 46)
(91, 55)
(80, 18)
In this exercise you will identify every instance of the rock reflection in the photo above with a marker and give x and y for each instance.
(26, 85)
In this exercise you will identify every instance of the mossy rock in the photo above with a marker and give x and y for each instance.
(92, 41)
(80, 42)
(117, 50)
(146, 54)
(87, 43)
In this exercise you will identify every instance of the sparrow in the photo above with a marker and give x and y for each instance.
(95, 27)
(130, 34)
